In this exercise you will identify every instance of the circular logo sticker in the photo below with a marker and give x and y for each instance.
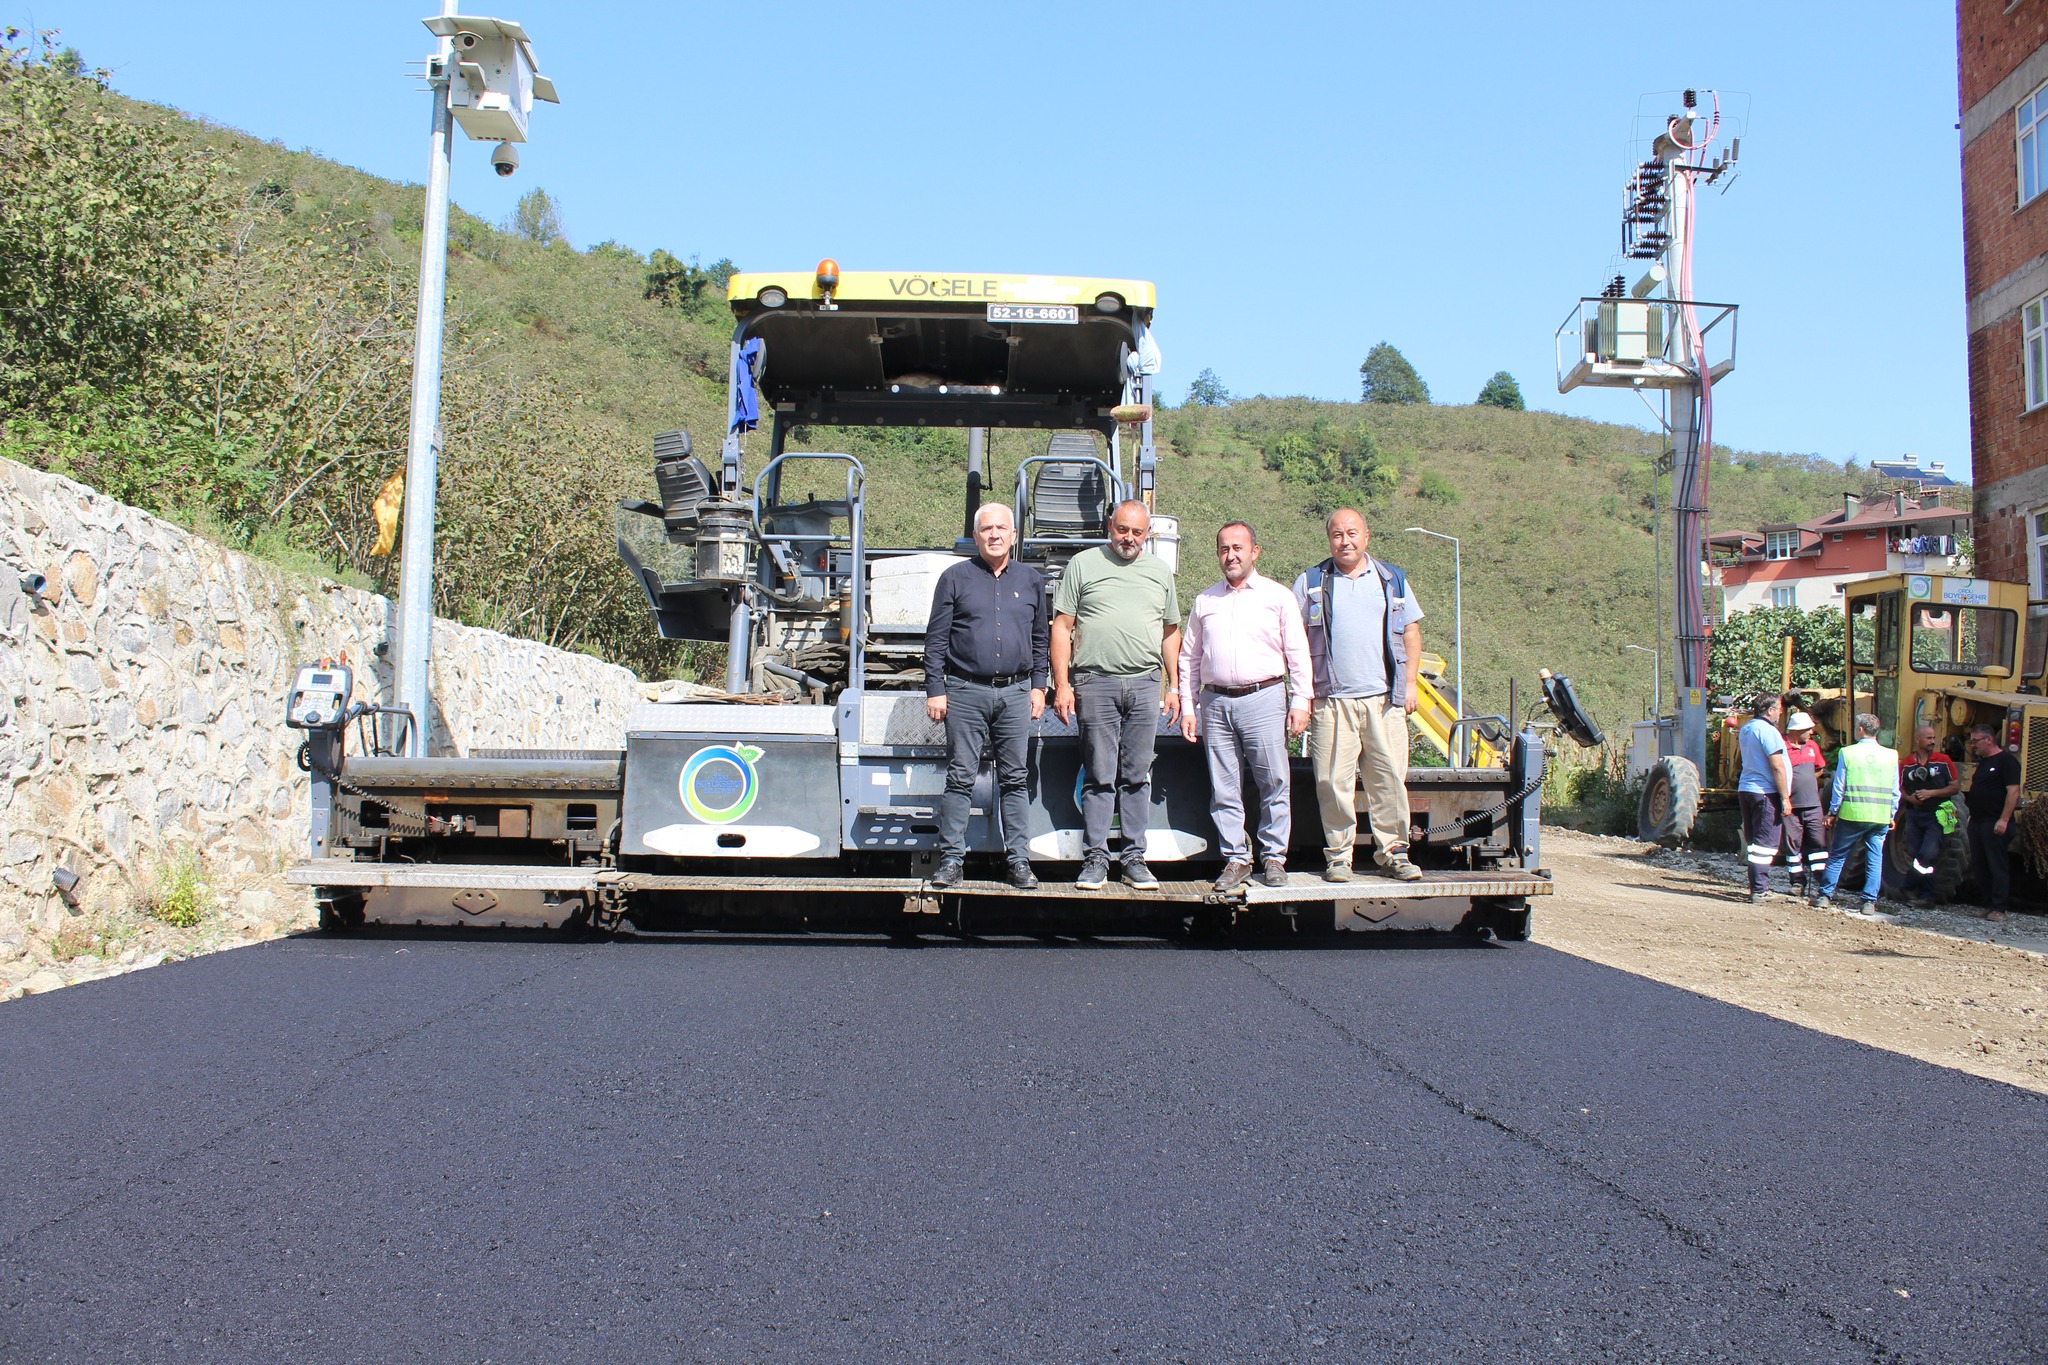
(1918, 587)
(719, 784)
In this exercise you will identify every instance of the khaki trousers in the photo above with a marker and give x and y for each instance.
(1358, 742)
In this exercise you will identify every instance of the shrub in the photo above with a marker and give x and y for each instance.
(1436, 488)
(177, 895)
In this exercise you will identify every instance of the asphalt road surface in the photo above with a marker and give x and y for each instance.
(811, 1150)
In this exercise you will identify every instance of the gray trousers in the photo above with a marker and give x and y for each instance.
(979, 717)
(1243, 735)
(1119, 719)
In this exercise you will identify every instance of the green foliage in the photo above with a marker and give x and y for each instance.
(1592, 791)
(1207, 391)
(537, 218)
(1434, 487)
(1747, 652)
(1387, 377)
(107, 225)
(673, 283)
(1501, 391)
(177, 894)
(1338, 463)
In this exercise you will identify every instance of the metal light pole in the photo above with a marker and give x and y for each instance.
(422, 456)
(483, 76)
(1656, 677)
(1458, 594)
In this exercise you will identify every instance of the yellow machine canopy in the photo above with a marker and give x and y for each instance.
(909, 348)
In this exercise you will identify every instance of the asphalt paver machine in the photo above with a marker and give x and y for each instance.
(803, 796)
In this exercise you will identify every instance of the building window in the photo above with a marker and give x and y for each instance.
(2028, 118)
(2036, 350)
(1784, 597)
(2037, 554)
(1781, 544)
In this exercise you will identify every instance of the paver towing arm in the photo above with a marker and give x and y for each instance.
(803, 795)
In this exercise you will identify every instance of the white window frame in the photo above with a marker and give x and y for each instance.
(2034, 351)
(2037, 553)
(1781, 545)
(1790, 594)
(2028, 116)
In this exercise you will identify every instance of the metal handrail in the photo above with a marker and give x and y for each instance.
(857, 587)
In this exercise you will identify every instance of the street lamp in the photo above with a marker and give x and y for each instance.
(482, 76)
(1656, 678)
(1458, 591)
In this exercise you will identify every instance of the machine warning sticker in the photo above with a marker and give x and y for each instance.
(719, 783)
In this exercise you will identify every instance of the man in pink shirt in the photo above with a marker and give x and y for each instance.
(1245, 690)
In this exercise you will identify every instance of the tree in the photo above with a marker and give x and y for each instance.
(678, 284)
(1207, 391)
(1747, 652)
(1387, 377)
(1501, 391)
(537, 219)
(107, 225)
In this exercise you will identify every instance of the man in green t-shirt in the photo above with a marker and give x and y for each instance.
(1115, 633)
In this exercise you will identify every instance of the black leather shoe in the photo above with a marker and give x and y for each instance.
(1021, 875)
(950, 873)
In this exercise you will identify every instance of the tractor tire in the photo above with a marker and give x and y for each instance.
(1951, 864)
(1670, 803)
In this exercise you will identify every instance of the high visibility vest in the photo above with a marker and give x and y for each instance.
(1870, 773)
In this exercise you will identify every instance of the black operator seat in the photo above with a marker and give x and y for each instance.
(1071, 499)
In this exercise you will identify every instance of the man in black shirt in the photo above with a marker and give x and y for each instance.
(1993, 795)
(985, 665)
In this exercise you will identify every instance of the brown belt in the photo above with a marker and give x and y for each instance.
(1244, 691)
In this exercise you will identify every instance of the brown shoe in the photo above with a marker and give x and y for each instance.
(1235, 873)
(1273, 872)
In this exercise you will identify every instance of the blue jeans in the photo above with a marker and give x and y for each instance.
(1847, 835)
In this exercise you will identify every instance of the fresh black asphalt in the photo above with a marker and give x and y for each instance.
(737, 1150)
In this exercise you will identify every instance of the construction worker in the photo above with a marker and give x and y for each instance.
(1115, 627)
(1864, 803)
(1806, 839)
(1927, 779)
(1244, 655)
(1764, 791)
(1993, 797)
(984, 676)
(1365, 645)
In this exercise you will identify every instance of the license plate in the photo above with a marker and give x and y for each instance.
(1034, 312)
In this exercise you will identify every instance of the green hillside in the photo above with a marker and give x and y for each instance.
(278, 419)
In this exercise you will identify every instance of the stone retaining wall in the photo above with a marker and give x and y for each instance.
(142, 695)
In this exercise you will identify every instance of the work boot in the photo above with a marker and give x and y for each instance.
(1337, 872)
(1820, 903)
(1272, 872)
(1400, 869)
(1139, 876)
(951, 872)
(1235, 874)
(1094, 873)
(1021, 875)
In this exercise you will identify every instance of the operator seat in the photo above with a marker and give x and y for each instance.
(1071, 499)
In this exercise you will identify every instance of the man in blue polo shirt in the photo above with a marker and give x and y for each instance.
(1764, 791)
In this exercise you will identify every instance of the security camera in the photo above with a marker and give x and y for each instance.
(465, 41)
(505, 159)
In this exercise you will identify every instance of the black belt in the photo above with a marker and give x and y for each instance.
(995, 680)
(1244, 691)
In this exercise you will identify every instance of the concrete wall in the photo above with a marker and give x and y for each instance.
(142, 695)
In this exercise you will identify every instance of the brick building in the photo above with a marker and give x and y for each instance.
(2002, 70)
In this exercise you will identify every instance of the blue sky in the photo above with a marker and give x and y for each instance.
(1301, 180)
